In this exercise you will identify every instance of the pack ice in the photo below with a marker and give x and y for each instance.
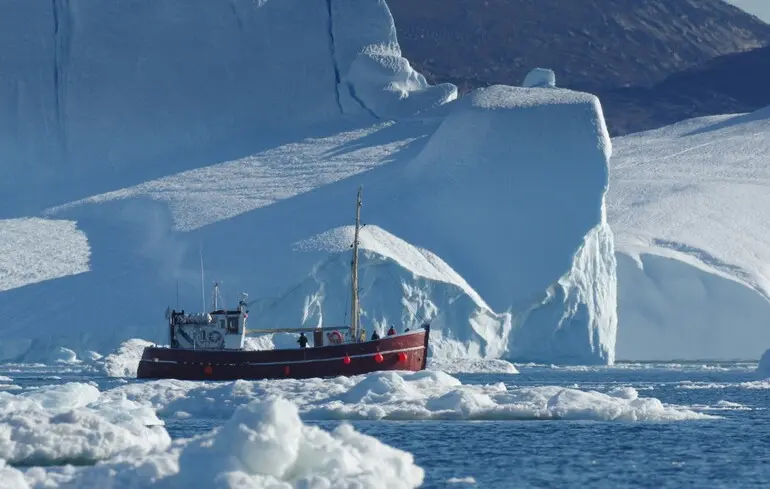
(151, 137)
(264, 444)
(114, 438)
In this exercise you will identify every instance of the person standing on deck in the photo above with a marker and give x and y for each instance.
(391, 331)
(302, 340)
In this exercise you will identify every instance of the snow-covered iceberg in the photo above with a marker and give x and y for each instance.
(510, 190)
(401, 285)
(500, 194)
(375, 78)
(688, 206)
(120, 91)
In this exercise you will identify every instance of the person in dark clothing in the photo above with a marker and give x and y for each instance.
(391, 331)
(302, 340)
(375, 336)
(407, 329)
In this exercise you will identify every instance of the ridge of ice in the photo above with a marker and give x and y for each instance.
(400, 285)
(403, 395)
(419, 261)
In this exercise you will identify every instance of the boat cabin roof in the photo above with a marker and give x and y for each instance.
(220, 312)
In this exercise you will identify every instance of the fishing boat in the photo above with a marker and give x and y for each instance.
(210, 345)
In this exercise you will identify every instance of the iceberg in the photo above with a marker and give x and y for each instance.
(490, 190)
(687, 206)
(490, 207)
(84, 97)
(764, 364)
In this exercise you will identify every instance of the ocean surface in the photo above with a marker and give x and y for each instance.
(729, 451)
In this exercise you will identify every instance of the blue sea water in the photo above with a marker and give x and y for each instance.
(732, 451)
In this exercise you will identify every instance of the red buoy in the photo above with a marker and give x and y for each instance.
(346, 360)
(402, 356)
(286, 370)
(378, 357)
(208, 370)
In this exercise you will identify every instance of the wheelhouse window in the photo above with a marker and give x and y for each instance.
(232, 325)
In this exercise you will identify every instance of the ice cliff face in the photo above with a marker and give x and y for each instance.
(122, 90)
(519, 175)
(688, 206)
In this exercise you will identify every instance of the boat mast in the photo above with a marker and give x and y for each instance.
(354, 313)
(215, 295)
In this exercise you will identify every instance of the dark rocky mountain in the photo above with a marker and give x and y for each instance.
(733, 83)
(599, 46)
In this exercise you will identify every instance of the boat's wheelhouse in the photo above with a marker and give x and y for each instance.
(221, 329)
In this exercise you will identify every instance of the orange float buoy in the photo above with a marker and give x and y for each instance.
(346, 360)
(378, 357)
(208, 370)
(402, 356)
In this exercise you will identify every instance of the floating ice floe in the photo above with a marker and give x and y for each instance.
(72, 423)
(426, 395)
(754, 384)
(124, 361)
(471, 366)
(264, 445)
(461, 480)
(724, 406)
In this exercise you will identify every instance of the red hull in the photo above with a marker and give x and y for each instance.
(299, 363)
